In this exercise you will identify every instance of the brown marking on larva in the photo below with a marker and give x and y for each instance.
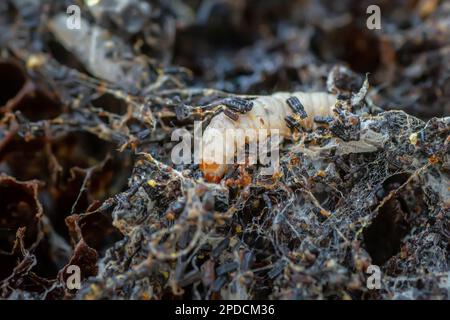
(266, 112)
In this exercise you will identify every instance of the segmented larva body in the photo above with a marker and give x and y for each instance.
(268, 112)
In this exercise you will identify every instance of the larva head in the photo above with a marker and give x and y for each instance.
(212, 171)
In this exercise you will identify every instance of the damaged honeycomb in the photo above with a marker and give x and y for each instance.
(87, 180)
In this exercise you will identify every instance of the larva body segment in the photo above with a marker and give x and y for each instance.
(268, 112)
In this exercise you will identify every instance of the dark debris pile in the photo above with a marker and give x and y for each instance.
(86, 179)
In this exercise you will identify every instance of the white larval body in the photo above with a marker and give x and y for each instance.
(268, 112)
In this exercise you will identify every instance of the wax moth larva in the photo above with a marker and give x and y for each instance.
(282, 111)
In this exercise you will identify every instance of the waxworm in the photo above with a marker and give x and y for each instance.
(281, 111)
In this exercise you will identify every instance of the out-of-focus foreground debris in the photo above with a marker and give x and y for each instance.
(86, 178)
